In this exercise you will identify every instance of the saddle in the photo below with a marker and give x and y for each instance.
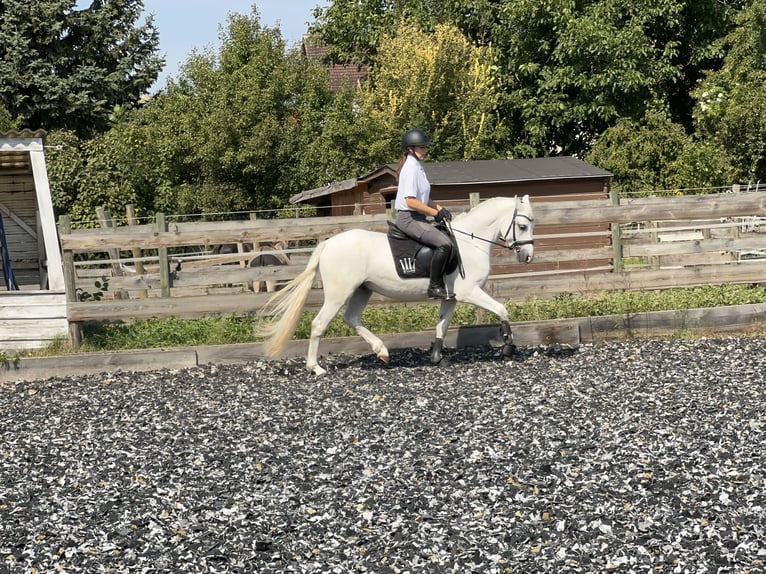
(412, 258)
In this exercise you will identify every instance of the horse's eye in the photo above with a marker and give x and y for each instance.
(523, 226)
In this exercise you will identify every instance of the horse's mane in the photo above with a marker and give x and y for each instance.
(482, 205)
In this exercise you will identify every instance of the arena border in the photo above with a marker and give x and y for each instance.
(749, 319)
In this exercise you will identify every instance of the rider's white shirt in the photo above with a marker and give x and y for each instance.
(412, 183)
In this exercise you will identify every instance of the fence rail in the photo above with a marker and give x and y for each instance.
(164, 269)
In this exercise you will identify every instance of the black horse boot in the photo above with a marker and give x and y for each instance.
(436, 288)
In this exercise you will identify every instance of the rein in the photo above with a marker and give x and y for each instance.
(514, 244)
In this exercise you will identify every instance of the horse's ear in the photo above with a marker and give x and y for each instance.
(525, 199)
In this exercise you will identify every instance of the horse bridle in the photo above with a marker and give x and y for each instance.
(514, 243)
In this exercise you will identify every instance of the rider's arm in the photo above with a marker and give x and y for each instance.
(417, 205)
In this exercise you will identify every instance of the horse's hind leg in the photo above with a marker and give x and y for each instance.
(319, 325)
(353, 316)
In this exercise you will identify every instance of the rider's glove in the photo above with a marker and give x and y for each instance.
(443, 215)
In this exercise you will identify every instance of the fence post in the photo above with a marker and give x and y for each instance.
(616, 236)
(161, 226)
(105, 219)
(654, 237)
(67, 260)
(130, 213)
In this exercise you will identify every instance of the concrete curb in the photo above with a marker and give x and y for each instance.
(572, 332)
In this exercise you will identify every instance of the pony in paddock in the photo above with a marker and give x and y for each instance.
(356, 263)
(272, 253)
(269, 253)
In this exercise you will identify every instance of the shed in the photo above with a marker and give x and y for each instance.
(32, 292)
(543, 179)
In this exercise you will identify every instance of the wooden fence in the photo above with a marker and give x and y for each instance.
(168, 269)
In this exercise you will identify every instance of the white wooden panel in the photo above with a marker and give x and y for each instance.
(47, 220)
(32, 329)
(30, 320)
(30, 312)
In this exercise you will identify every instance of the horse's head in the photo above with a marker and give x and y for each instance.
(518, 236)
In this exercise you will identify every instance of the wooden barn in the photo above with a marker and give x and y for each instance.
(32, 294)
(452, 182)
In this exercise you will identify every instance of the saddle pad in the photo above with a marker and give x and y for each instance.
(411, 259)
(408, 258)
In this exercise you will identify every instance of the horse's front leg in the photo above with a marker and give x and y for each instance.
(446, 310)
(481, 299)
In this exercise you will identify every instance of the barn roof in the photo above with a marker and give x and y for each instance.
(510, 170)
(477, 172)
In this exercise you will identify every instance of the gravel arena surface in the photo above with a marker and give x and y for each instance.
(638, 456)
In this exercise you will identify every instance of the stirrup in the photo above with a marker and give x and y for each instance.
(439, 292)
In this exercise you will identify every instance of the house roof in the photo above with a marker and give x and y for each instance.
(25, 133)
(340, 75)
(477, 172)
(328, 189)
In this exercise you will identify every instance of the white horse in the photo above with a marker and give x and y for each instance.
(356, 263)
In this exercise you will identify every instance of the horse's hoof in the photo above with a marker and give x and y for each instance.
(383, 356)
(441, 363)
(509, 352)
(436, 351)
(317, 370)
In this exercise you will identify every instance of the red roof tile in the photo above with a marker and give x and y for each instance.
(340, 75)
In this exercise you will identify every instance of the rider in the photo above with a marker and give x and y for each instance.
(413, 204)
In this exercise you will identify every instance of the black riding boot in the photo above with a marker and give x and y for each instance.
(436, 288)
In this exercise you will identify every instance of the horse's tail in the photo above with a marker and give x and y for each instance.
(288, 304)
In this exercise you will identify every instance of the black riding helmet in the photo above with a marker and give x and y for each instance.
(412, 138)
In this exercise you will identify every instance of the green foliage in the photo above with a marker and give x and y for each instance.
(657, 154)
(356, 28)
(9, 360)
(62, 68)
(171, 332)
(390, 319)
(567, 70)
(66, 164)
(230, 132)
(583, 65)
(438, 82)
(251, 124)
(6, 121)
(102, 287)
(731, 102)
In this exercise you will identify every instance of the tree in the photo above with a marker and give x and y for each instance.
(229, 134)
(67, 68)
(438, 82)
(6, 122)
(576, 68)
(239, 116)
(355, 28)
(656, 154)
(731, 102)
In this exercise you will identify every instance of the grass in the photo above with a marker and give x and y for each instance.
(175, 332)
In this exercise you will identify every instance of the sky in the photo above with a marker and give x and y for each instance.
(187, 24)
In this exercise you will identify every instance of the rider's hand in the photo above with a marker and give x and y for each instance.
(443, 215)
